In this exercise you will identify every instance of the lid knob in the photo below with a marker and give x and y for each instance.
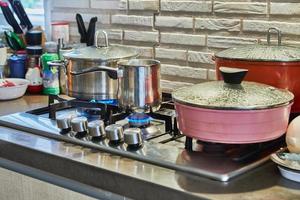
(233, 75)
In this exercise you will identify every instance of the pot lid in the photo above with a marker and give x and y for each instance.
(231, 94)
(101, 53)
(261, 52)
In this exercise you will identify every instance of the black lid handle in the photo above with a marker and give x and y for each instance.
(233, 75)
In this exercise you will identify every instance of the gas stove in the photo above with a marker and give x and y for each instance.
(147, 137)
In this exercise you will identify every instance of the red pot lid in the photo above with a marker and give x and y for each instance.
(263, 52)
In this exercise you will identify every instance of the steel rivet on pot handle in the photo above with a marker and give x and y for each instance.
(105, 37)
(278, 32)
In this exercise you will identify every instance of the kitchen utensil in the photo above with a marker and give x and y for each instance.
(33, 37)
(290, 174)
(13, 92)
(139, 85)
(293, 136)
(20, 12)
(14, 41)
(8, 15)
(228, 112)
(288, 164)
(91, 31)
(285, 159)
(87, 85)
(275, 65)
(17, 66)
(81, 28)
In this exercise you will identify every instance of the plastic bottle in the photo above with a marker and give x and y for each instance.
(49, 74)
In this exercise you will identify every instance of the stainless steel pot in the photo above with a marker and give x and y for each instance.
(85, 83)
(139, 83)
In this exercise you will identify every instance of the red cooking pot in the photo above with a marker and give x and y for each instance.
(231, 111)
(274, 65)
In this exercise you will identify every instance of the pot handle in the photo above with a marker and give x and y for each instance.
(278, 32)
(105, 38)
(233, 75)
(111, 72)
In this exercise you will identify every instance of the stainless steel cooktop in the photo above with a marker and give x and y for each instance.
(158, 144)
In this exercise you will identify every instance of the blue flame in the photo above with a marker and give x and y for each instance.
(140, 118)
(106, 101)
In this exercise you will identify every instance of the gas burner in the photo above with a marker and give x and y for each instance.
(90, 113)
(106, 101)
(139, 120)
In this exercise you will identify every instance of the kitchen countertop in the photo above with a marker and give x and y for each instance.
(128, 177)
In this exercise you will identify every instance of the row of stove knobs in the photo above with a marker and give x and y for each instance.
(96, 130)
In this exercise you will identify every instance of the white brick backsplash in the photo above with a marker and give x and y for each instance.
(212, 74)
(142, 36)
(143, 51)
(174, 22)
(184, 71)
(132, 20)
(262, 26)
(143, 4)
(200, 57)
(285, 8)
(109, 4)
(186, 6)
(183, 39)
(71, 4)
(172, 85)
(218, 24)
(173, 54)
(240, 7)
(112, 34)
(227, 42)
(70, 17)
(183, 34)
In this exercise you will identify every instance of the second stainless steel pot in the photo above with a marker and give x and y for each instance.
(139, 83)
(87, 84)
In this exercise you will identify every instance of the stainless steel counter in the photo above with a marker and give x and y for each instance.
(127, 177)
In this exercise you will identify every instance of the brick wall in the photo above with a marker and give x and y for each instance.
(184, 34)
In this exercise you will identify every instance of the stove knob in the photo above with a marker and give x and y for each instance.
(96, 128)
(133, 137)
(114, 133)
(79, 124)
(63, 122)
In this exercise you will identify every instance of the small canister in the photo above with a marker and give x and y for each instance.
(49, 74)
(33, 37)
(17, 66)
(52, 81)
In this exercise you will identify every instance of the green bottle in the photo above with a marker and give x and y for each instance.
(50, 74)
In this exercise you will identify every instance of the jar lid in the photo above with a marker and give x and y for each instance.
(34, 32)
(17, 57)
(34, 50)
(232, 94)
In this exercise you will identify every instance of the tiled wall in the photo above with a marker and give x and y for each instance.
(184, 34)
